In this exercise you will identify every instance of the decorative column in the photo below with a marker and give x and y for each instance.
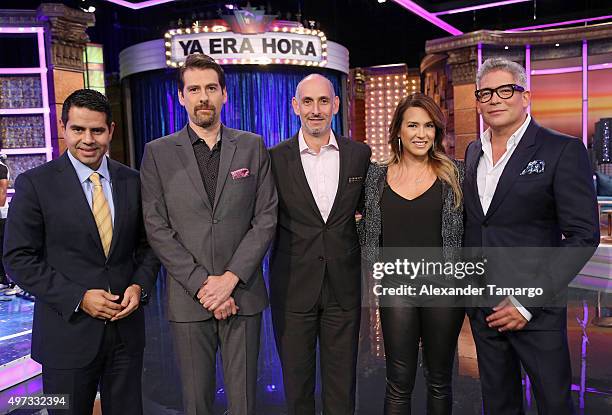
(66, 41)
(436, 78)
(464, 65)
(356, 82)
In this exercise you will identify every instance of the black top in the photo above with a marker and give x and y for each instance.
(412, 223)
(208, 161)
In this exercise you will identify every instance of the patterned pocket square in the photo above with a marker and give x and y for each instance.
(355, 179)
(534, 167)
(240, 174)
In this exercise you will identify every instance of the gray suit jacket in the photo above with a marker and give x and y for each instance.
(194, 239)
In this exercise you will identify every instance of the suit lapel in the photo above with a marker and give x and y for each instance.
(120, 196)
(521, 156)
(228, 148)
(296, 170)
(473, 158)
(345, 159)
(73, 196)
(184, 150)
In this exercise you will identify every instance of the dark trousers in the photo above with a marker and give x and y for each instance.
(337, 331)
(437, 329)
(544, 355)
(196, 344)
(116, 372)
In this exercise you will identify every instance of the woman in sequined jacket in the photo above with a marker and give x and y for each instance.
(412, 201)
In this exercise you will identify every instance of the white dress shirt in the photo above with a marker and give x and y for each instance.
(322, 172)
(488, 175)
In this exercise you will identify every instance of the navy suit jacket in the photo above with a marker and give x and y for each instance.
(556, 208)
(52, 249)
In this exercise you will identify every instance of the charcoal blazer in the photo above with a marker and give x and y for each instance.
(195, 239)
(52, 249)
(305, 246)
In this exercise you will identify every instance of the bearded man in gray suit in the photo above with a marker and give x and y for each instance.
(210, 210)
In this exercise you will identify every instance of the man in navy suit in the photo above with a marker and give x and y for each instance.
(527, 189)
(75, 239)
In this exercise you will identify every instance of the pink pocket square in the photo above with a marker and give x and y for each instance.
(240, 174)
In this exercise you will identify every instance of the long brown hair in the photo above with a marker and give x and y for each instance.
(443, 167)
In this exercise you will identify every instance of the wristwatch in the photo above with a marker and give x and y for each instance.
(144, 297)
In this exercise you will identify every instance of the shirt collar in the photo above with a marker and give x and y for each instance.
(194, 137)
(333, 143)
(83, 171)
(514, 138)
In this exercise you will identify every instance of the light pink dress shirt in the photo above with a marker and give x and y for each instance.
(322, 172)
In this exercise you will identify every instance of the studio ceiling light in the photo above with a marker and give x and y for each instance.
(565, 23)
(421, 12)
(479, 7)
(138, 6)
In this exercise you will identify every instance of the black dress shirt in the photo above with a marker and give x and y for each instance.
(208, 161)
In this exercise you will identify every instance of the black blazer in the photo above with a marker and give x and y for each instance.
(555, 208)
(52, 249)
(305, 246)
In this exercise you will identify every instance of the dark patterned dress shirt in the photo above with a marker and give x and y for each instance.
(208, 161)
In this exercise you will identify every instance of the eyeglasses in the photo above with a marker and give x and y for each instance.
(503, 91)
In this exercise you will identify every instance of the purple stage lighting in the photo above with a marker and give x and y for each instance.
(554, 71)
(480, 121)
(585, 95)
(18, 371)
(421, 12)
(570, 69)
(138, 6)
(565, 23)
(479, 7)
(528, 70)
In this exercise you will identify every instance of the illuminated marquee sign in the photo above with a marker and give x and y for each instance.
(294, 46)
(248, 36)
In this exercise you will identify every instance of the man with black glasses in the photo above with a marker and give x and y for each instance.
(525, 187)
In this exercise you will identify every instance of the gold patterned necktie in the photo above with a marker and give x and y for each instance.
(102, 213)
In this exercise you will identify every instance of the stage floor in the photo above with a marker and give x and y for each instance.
(590, 354)
(15, 328)
(590, 347)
